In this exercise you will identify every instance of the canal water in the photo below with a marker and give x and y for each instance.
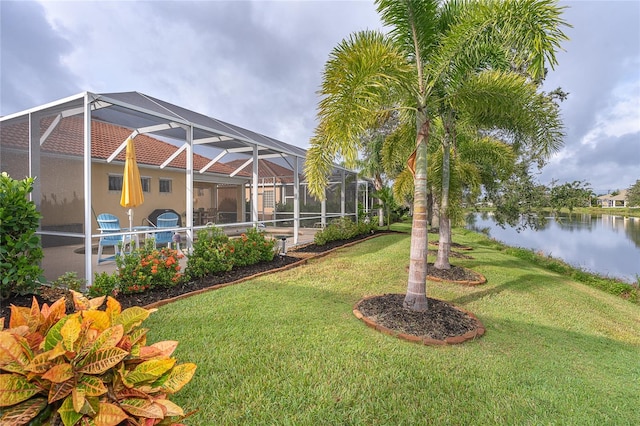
(608, 245)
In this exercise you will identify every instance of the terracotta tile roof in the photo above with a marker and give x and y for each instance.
(266, 169)
(67, 139)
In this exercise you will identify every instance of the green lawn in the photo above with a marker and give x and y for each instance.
(286, 349)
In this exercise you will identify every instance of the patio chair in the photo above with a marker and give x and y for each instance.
(110, 224)
(166, 220)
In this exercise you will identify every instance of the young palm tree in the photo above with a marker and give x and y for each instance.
(387, 203)
(428, 42)
(371, 165)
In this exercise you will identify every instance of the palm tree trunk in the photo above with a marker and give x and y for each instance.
(377, 184)
(429, 208)
(444, 245)
(416, 297)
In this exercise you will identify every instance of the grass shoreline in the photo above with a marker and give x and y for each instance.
(287, 349)
(614, 286)
(613, 211)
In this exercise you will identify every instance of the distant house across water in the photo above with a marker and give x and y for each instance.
(612, 201)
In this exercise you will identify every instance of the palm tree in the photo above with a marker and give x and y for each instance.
(428, 42)
(495, 101)
(387, 202)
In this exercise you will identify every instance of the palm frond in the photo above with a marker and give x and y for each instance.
(533, 30)
(521, 34)
(413, 24)
(403, 186)
(318, 166)
(397, 147)
(362, 76)
(507, 101)
(494, 159)
(359, 78)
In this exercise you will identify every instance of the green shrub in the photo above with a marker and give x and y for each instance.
(342, 229)
(211, 253)
(330, 233)
(69, 281)
(142, 269)
(104, 284)
(89, 367)
(147, 267)
(252, 247)
(20, 248)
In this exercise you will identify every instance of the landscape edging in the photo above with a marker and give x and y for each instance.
(302, 261)
(482, 279)
(428, 341)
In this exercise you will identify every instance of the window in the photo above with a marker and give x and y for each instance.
(165, 186)
(268, 200)
(146, 184)
(115, 182)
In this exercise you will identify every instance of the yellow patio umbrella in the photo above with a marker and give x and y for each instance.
(132, 195)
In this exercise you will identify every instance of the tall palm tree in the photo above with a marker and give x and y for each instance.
(428, 42)
(492, 101)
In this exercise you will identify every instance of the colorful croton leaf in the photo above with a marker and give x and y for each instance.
(91, 366)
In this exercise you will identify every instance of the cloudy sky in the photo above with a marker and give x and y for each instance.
(258, 64)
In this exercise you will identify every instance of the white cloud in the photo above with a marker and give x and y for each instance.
(259, 65)
(620, 118)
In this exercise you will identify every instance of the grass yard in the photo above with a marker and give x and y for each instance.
(285, 349)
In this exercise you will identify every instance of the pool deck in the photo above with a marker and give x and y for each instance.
(70, 258)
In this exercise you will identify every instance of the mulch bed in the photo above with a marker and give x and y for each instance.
(452, 254)
(453, 245)
(313, 248)
(441, 324)
(456, 274)
(49, 295)
(441, 321)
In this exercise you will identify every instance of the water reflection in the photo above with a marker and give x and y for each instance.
(606, 244)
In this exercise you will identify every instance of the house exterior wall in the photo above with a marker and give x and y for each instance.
(15, 163)
(266, 211)
(106, 201)
(62, 192)
(230, 203)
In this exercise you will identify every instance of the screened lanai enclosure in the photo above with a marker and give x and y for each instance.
(203, 170)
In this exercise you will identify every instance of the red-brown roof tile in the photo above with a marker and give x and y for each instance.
(266, 169)
(67, 138)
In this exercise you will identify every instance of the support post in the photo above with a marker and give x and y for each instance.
(356, 197)
(189, 183)
(88, 229)
(343, 194)
(296, 200)
(254, 188)
(34, 160)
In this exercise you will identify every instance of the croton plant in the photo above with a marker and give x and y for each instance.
(91, 367)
